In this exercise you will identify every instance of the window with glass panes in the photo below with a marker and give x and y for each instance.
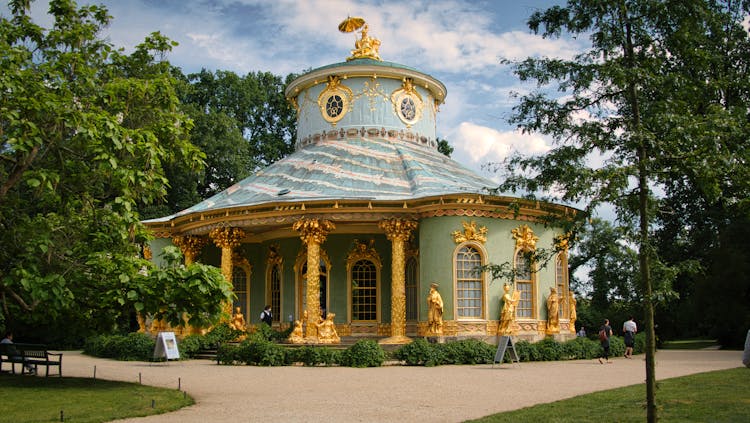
(364, 291)
(411, 288)
(239, 286)
(469, 290)
(562, 292)
(275, 291)
(524, 308)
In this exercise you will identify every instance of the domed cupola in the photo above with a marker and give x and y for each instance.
(366, 96)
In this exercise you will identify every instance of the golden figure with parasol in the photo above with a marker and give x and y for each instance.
(364, 48)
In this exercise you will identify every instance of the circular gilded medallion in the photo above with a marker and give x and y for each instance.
(334, 106)
(408, 107)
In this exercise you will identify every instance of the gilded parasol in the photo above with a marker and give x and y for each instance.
(351, 23)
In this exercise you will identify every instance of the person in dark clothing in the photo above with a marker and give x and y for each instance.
(605, 332)
(266, 316)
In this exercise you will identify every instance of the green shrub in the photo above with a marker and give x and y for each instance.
(261, 352)
(549, 349)
(418, 353)
(616, 346)
(467, 351)
(579, 349)
(314, 356)
(133, 346)
(527, 351)
(220, 334)
(640, 343)
(190, 345)
(364, 353)
(228, 354)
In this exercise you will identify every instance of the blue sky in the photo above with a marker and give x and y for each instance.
(459, 42)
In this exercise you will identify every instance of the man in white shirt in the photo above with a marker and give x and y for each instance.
(629, 329)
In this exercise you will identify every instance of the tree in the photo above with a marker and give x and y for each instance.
(85, 131)
(631, 99)
(444, 147)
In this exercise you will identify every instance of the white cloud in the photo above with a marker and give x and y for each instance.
(476, 146)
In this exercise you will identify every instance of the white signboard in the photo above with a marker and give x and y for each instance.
(166, 346)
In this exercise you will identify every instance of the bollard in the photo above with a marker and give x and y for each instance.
(179, 383)
(94, 372)
(184, 394)
(62, 416)
(140, 382)
(153, 403)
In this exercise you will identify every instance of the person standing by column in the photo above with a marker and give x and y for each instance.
(605, 332)
(629, 329)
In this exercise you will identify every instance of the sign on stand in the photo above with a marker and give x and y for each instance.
(166, 346)
(502, 348)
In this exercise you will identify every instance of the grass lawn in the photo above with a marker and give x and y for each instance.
(689, 344)
(720, 396)
(39, 399)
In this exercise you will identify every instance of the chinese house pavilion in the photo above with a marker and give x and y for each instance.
(367, 214)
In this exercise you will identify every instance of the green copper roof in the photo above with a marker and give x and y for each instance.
(371, 168)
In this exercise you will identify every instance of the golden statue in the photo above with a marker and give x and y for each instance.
(327, 330)
(238, 321)
(553, 310)
(298, 335)
(435, 311)
(508, 313)
(573, 314)
(366, 47)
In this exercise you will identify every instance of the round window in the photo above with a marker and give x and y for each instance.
(334, 106)
(408, 109)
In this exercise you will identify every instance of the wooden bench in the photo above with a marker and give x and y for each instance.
(31, 355)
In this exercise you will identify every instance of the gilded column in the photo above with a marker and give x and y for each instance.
(398, 232)
(190, 246)
(227, 239)
(313, 233)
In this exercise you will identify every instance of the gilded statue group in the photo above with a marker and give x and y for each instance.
(325, 327)
(510, 302)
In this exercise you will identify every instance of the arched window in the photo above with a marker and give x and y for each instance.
(364, 276)
(468, 282)
(525, 285)
(411, 282)
(241, 288)
(274, 292)
(561, 280)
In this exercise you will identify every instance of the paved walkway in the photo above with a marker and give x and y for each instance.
(386, 394)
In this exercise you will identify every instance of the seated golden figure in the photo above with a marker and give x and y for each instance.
(366, 47)
(297, 336)
(327, 331)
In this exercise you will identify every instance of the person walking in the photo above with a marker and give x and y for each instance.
(605, 332)
(629, 329)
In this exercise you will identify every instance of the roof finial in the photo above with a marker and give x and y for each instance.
(364, 48)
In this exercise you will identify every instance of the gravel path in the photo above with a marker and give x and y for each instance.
(386, 394)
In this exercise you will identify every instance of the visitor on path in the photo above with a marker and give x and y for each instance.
(12, 353)
(629, 329)
(266, 316)
(605, 332)
(746, 354)
(582, 332)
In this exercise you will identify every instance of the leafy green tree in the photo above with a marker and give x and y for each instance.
(444, 147)
(631, 98)
(86, 131)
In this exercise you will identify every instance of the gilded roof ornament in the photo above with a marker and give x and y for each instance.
(365, 47)
(470, 233)
(525, 238)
